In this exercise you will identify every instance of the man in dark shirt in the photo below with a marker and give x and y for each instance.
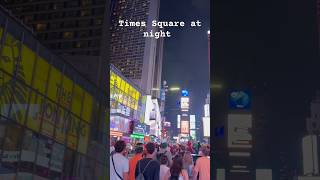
(148, 166)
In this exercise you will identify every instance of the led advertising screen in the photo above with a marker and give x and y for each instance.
(184, 103)
(192, 122)
(184, 127)
(178, 121)
(240, 99)
(239, 131)
(193, 134)
(206, 110)
(206, 126)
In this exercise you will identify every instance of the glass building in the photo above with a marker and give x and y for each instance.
(52, 120)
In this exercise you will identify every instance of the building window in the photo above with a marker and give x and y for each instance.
(83, 34)
(56, 15)
(69, 24)
(28, 18)
(71, 4)
(98, 11)
(86, 2)
(84, 23)
(57, 6)
(86, 12)
(68, 35)
(66, 45)
(54, 35)
(98, 21)
(71, 14)
(41, 26)
(55, 25)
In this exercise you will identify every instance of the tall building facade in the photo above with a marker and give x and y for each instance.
(138, 58)
(75, 29)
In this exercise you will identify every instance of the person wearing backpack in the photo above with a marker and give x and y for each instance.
(148, 168)
(119, 164)
(164, 150)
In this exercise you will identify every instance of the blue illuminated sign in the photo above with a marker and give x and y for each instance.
(185, 93)
(240, 99)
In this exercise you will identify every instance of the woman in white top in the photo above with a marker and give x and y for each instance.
(163, 166)
(176, 172)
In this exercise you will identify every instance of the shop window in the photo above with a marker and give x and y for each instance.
(43, 156)
(69, 162)
(28, 151)
(11, 148)
(56, 163)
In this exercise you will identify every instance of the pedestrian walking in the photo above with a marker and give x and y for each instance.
(164, 166)
(202, 167)
(134, 160)
(176, 171)
(188, 162)
(148, 168)
(164, 150)
(119, 164)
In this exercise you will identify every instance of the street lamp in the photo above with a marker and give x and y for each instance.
(174, 89)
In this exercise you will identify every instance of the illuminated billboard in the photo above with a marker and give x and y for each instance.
(184, 127)
(178, 121)
(239, 131)
(184, 93)
(54, 100)
(192, 122)
(206, 126)
(240, 99)
(122, 92)
(193, 134)
(206, 110)
(184, 103)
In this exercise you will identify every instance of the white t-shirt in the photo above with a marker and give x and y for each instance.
(121, 164)
(163, 171)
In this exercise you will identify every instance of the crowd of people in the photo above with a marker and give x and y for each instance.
(152, 161)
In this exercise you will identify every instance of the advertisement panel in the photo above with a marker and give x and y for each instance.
(25, 64)
(240, 99)
(184, 103)
(192, 122)
(193, 134)
(184, 127)
(206, 126)
(178, 121)
(239, 131)
(206, 110)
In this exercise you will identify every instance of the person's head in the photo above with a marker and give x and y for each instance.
(163, 145)
(120, 146)
(176, 166)
(205, 151)
(164, 160)
(150, 147)
(139, 148)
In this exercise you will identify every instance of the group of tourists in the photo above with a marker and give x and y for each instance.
(153, 161)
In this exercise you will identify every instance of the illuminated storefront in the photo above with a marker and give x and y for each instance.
(127, 106)
(46, 109)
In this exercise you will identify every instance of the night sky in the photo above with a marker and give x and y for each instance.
(186, 52)
(270, 47)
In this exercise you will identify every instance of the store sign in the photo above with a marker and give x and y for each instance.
(139, 128)
(184, 127)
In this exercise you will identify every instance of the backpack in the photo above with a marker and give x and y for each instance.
(140, 175)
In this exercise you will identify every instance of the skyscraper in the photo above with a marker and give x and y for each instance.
(137, 57)
(75, 29)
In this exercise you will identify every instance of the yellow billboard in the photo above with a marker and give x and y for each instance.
(52, 99)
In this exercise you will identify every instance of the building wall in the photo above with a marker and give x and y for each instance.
(47, 110)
